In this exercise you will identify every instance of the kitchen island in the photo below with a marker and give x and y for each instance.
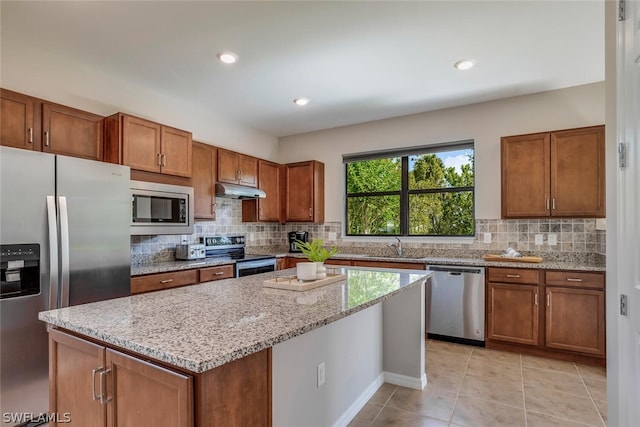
(209, 334)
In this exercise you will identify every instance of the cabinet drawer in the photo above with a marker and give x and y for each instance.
(513, 275)
(574, 279)
(156, 282)
(216, 273)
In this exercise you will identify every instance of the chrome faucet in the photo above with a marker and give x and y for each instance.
(397, 246)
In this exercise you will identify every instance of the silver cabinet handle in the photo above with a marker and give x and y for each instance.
(164, 160)
(535, 300)
(547, 204)
(513, 276)
(553, 204)
(46, 138)
(103, 387)
(548, 300)
(158, 161)
(571, 279)
(310, 212)
(93, 384)
(31, 135)
(166, 281)
(218, 273)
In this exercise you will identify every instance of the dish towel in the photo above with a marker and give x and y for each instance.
(511, 253)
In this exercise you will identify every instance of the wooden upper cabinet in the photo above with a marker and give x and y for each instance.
(236, 168)
(18, 126)
(72, 132)
(304, 192)
(578, 172)
(269, 208)
(147, 146)
(204, 180)
(558, 174)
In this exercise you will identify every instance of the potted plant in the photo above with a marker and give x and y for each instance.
(316, 252)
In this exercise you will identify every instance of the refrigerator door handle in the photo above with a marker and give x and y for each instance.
(64, 251)
(53, 252)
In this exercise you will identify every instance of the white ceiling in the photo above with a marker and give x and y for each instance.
(357, 61)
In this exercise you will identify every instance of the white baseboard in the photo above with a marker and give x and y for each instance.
(405, 381)
(359, 403)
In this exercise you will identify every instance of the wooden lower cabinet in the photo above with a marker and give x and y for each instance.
(173, 279)
(512, 314)
(281, 263)
(575, 320)
(554, 313)
(98, 386)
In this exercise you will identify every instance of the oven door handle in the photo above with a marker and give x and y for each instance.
(257, 263)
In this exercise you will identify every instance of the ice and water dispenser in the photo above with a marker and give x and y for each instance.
(20, 270)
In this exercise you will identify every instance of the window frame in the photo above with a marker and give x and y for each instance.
(405, 192)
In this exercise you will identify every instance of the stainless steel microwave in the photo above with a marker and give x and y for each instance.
(161, 208)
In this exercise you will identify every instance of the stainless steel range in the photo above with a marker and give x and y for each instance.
(233, 248)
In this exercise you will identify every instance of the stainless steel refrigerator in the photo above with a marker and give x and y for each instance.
(65, 238)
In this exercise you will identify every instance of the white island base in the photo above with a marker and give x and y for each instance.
(383, 343)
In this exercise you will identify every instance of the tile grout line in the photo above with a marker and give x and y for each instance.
(455, 402)
(590, 395)
(383, 406)
(524, 399)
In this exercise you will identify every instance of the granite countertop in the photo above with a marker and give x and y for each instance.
(163, 267)
(203, 326)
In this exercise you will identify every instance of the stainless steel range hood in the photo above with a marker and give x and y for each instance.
(234, 191)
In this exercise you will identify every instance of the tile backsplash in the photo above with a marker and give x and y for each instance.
(577, 236)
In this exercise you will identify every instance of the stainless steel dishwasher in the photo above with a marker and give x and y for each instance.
(454, 306)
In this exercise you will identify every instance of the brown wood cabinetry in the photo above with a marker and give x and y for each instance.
(236, 168)
(575, 312)
(267, 209)
(34, 124)
(72, 132)
(19, 126)
(570, 326)
(147, 146)
(304, 192)
(205, 161)
(173, 279)
(98, 386)
(281, 263)
(216, 273)
(564, 170)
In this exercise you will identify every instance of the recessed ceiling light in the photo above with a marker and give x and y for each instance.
(227, 57)
(301, 101)
(464, 64)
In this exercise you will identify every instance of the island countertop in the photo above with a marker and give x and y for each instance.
(203, 326)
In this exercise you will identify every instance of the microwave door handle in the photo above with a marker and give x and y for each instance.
(64, 251)
(53, 252)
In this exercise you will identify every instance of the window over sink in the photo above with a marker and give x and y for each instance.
(418, 191)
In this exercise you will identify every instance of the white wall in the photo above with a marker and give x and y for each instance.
(49, 76)
(485, 123)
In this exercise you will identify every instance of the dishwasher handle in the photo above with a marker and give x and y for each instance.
(455, 270)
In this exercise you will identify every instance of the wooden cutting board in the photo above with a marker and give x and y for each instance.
(498, 258)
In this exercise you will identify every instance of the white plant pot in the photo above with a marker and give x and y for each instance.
(321, 271)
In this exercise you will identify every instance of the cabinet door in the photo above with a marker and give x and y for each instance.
(512, 313)
(578, 173)
(228, 166)
(268, 180)
(175, 146)
(72, 132)
(17, 124)
(248, 168)
(525, 176)
(141, 144)
(575, 320)
(204, 180)
(281, 263)
(300, 192)
(143, 394)
(74, 366)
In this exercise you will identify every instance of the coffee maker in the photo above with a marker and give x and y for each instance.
(303, 236)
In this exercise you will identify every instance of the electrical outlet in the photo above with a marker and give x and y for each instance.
(487, 237)
(320, 374)
(251, 237)
(552, 239)
(539, 240)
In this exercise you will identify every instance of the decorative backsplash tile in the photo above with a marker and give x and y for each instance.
(574, 236)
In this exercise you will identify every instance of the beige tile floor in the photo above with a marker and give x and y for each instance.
(471, 386)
